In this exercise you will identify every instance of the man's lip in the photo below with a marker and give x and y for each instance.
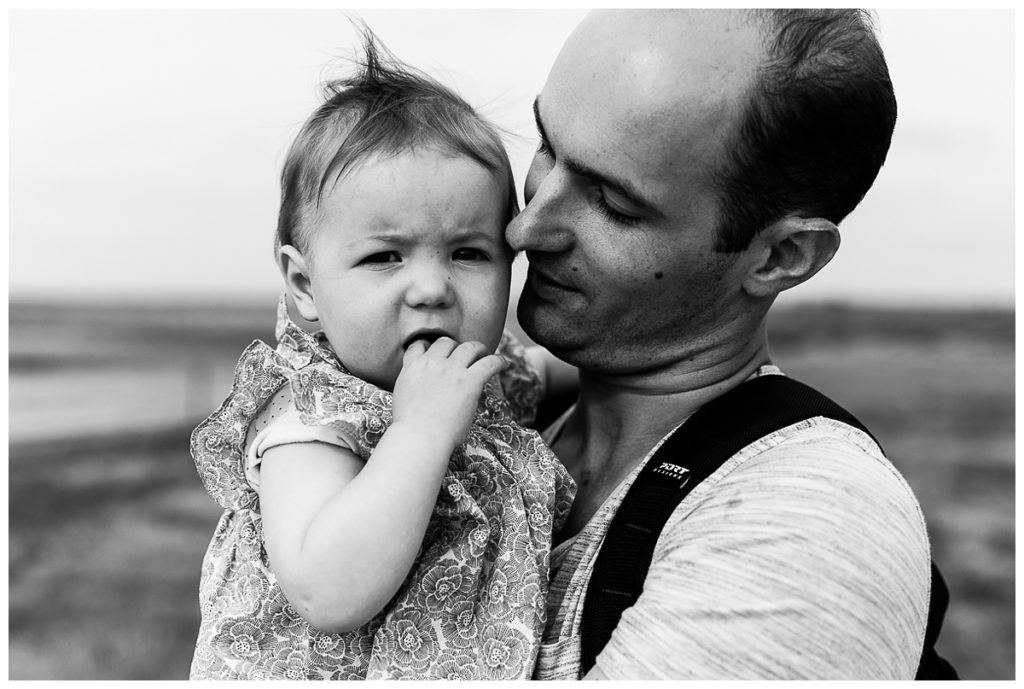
(428, 334)
(547, 280)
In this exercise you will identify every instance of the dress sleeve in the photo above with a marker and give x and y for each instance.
(520, 382)
(280, 423)
(808, 561)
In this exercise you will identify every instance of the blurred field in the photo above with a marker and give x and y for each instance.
(108, 520)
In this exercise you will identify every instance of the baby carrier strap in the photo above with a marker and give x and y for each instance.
(713, 434)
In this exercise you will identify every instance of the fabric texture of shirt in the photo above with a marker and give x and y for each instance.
(473, 606)
(804, 556)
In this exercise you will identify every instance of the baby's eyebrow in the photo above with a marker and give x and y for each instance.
(469, 234)
(365, 241)
(383, 235)
(459, 234)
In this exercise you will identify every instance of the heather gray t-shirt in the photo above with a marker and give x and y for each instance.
(804, 556)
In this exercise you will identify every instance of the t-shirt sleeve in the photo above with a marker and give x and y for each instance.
(808, 561)
(279, 423)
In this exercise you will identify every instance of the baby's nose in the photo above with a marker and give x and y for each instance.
(430, 286)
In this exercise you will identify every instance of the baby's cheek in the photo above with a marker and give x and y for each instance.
(373, 368)
(491, 319)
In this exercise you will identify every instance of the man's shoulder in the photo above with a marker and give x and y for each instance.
(817, 445)
(827, 440)
(839, 455)
(819, 470)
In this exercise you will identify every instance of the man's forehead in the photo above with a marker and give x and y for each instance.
(651, 87)
(663, 52)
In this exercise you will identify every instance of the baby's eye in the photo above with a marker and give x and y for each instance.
(469, 254)
(382, 257)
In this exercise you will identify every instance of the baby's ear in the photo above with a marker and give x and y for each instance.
(297, 281)
(788, 252)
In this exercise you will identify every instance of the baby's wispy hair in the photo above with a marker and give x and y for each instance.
(384, 108)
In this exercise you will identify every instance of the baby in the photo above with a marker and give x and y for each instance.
(386, 513)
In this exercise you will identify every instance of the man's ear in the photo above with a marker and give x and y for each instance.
(296, 276)
(789, 252)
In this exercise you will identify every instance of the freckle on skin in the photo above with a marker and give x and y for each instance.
(575, 269)
(659, 275)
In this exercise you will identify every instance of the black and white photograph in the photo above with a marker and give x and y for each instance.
(511, 344)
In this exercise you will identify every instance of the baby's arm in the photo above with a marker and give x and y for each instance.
(560, 381)
(341, 536)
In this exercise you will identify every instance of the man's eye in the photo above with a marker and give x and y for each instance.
(544, 148)
(613, 214)
(382, 257)
(469, 254)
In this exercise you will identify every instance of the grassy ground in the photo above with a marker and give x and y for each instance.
(107, 532)
(105, 545)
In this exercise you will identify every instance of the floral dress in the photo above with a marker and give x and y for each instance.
(473, 606)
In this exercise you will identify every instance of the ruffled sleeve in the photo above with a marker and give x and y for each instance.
(281, 424)
(353, 409)
(218, 443)
(520, 382)
(316, 400)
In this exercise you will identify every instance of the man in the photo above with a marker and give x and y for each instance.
(692, 166)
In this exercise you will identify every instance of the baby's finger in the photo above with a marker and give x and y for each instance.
(468, 352)
(415, 349)
(442, 346)
(488, 366)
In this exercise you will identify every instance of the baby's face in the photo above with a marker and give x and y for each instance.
(406, 246)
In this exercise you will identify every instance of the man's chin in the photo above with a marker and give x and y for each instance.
(578, 342)
(542, 323)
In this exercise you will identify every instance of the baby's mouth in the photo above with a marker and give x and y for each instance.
(428, 336)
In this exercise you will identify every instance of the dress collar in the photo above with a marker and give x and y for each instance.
(298, 346)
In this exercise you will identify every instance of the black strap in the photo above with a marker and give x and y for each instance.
(932, 665)
(712, 435)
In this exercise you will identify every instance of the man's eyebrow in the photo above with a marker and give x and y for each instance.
(619, 186)
(536, 117)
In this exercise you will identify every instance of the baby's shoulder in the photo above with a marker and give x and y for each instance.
(275, 383)
(324, 395)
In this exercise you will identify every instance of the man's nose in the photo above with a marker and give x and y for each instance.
(543, 225)
(430, 285)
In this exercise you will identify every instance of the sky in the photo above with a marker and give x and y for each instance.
(145, 145)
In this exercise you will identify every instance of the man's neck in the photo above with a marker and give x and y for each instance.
(619, 418)
(641, 409)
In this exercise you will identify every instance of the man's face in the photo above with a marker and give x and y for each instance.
(621, 220)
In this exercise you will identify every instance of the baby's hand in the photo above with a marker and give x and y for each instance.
(438, 388)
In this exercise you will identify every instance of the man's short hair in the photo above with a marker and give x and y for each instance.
(385, 108)
(817, 124)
